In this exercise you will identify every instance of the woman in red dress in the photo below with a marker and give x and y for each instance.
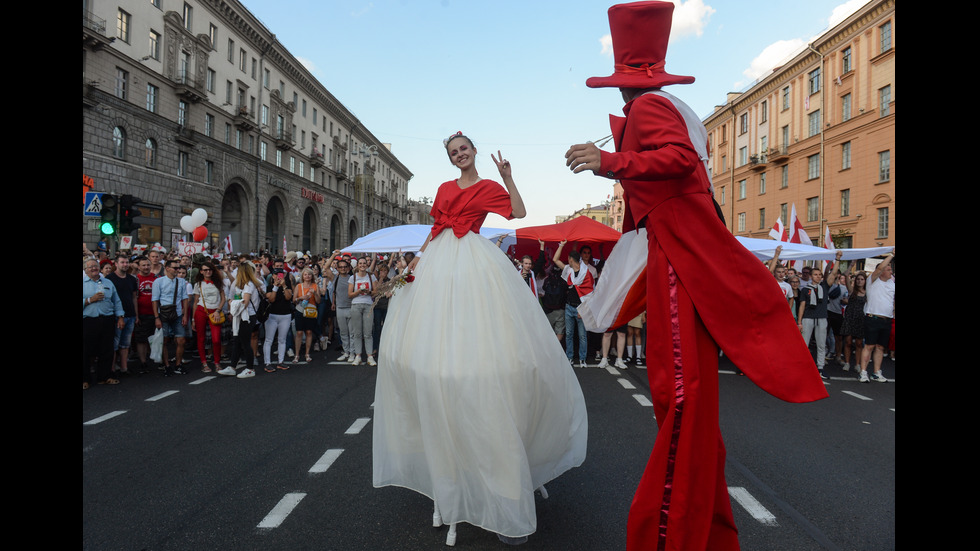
(475, 405)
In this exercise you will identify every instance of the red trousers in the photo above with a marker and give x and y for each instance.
(681, 502)
(201, 324)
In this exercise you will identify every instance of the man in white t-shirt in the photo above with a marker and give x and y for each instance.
(779, 271)
(878, 313)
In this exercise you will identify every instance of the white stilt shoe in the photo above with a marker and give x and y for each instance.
(451, 536)
(544, 493)
(436, 518)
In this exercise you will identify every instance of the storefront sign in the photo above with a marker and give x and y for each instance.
(311, 195)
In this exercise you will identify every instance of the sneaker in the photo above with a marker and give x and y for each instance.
(582, 364)
(371, 361)
(571, 362)
(604, 363)
(269, 369)
(879, 378)
(822, 376)
(639, 362)
(323, 343)
(230, 371)
(245, 374)
(290, 353)
(357, 360)
(846, 367)
(351, 358)
(620, 364)
(343, 357)
(864, 377)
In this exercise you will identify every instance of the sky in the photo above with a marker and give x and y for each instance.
(511, 76)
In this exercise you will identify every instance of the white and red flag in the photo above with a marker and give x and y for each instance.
(228, 248)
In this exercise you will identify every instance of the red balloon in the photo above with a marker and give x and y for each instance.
(200, 233)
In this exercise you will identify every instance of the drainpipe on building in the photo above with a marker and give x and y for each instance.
(823, 115)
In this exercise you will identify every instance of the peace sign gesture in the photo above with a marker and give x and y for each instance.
(503, 165)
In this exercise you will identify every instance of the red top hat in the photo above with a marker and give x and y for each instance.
(639, 35)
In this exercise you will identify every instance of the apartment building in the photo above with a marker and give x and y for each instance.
(818, 133)
(196, 104)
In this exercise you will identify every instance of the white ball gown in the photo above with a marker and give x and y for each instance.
(476, 404)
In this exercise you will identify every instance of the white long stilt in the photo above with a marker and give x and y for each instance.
(436, 517)
(451, 536)
(544, 493)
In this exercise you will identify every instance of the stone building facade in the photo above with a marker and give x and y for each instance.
(195, 104)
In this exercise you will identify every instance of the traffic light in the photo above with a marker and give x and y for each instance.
(110, 220)
(127, 212)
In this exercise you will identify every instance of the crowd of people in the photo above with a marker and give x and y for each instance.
(849, 316)
(230, 316)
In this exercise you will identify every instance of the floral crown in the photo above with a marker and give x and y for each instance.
(458, 134)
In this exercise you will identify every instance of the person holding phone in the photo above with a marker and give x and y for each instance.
(279, 293)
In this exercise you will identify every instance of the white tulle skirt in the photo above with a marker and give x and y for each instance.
(476, 404)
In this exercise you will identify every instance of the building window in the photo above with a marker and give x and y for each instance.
(152, 94)
(884, 166)
(265, 115)
(762, 219)
(279, 158)
(231, 51)
(845, 202)
(228, 89)
(845, 107)
(741, 221)
(182, 161)
(813, 123)
(743, 156)
(764, 111)
(122, 26)
(228, 133)
(292, 164)
(813, 166)
(813, 81)
(885, 35)
(784, 213)
(209, 125)
(155, 45)
(118, 143)
(785, 98)
(122, 83)
(812, 209)
(741, 189)
(743, 123)
(846, 61)
(762, 184)
(242, 60)
(213, 35)
(845, 156)
(784, 177)
(265, 78)
(262, 150)
(211, 77)
(188, 12)
(883, 223)
(721, 195)
(209, 172)
(181, 112)
(151, 153)
(238, 140)
(884, 100)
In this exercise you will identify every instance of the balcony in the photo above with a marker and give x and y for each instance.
(316, 159)
(186, 88)
(243, 119)
(186, 135)
(93, 32)
(284, 140)
(778, 154)
(757, 162)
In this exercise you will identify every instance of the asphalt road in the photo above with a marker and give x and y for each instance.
(283, 462)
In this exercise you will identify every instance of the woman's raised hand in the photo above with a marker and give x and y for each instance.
(503, 165)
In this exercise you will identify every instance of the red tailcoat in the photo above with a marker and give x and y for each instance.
(704, 290)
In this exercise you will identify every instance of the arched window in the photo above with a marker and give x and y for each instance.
(119, 143)
(151, 153)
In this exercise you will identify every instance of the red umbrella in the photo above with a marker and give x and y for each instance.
(578, 232)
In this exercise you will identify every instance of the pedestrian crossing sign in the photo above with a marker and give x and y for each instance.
(93, 204)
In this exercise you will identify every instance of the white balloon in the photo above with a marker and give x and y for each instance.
(187, 224)
(199, 217)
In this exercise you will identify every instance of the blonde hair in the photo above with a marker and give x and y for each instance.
(245, 274)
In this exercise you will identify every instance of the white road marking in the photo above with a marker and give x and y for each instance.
(203, 380)
(358, 425)
(281, 510)
(161, 396)
(855, 394)
(105, 417)
(324, 462)
(643, 400)
(626, 384)
(612, 370)
(750, 504)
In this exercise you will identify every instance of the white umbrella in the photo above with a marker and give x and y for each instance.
(411, 237)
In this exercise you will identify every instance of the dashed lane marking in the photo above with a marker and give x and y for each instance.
(855, 394)
(162, 396)
(326, 460)
(752, 505)
(281, 510)
(643, 400)
(105, 417)
(626, 384)
(358, 425)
